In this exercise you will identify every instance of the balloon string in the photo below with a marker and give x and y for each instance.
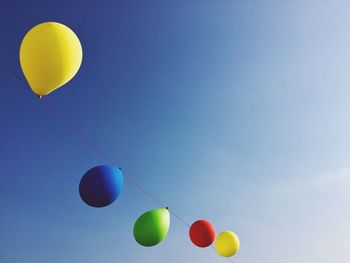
(94, 146)
(83, 137)
(9, 69)
(179, 218)
(78, 132)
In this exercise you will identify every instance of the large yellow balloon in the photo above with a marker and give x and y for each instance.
(227, 244)
(50, 56)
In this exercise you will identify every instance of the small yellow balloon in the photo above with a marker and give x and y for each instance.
(227, 244)
(50, 56)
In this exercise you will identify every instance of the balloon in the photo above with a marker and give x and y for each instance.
(227, 244)
(202, 233)
(152, 227)
(101, 185)
(50, 56)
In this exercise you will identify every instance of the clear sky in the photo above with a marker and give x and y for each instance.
(235, 111)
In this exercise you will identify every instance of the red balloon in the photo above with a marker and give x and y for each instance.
(202, 233)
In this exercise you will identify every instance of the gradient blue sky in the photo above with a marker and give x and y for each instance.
(236, 111)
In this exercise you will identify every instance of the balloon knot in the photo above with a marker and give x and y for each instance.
(40, 96)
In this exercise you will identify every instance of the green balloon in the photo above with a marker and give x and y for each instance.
(152, 227)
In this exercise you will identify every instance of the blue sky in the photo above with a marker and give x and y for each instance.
(232, 111)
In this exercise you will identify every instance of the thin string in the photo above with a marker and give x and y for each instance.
(75, 130)
(179, 218)
(9, 69)
(96, 148)
(84, 138)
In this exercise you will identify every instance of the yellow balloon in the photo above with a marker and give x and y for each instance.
(50, 56)
(227, 244)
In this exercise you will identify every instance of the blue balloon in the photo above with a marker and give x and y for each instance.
(101, 185)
